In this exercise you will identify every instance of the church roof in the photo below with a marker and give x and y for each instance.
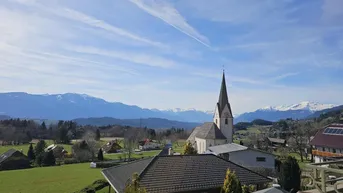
(209, 130)
(223, 98)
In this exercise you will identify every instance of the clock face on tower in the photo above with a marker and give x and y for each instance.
(226, 115)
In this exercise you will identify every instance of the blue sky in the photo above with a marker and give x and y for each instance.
(170, 54)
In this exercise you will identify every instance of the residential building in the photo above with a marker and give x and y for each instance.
(251, 158)
(328, 143)
(13, 159)
(276, 142)
(218, 132)
(203, 173)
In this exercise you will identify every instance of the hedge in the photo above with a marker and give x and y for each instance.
(95, 186)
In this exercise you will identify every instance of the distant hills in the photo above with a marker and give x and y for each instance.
(153, 123)
(72, 106)
(86, 109)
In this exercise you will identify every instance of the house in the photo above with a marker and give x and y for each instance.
(328, 143)
(111, 147)
(251, 158)
(149, 145)
(181, 173)
(218, 132)
(13, 159)
(59, 151)
(276, 142)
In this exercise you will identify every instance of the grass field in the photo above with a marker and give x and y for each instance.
(58, 179)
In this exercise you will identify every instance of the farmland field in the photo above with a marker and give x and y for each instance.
(57, 179)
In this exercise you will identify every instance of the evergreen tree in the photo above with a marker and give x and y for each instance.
(134, 186)
(43, 126)
(49, 159)
(100, 155)
(231, 183)
(39, 152)
(290, 175)
(97, 136)
(188, 149)
(31, 153)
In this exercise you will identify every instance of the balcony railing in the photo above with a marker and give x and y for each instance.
(326, 154)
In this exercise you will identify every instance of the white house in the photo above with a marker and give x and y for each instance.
(244, 156)
(149, 145)
(218, 132)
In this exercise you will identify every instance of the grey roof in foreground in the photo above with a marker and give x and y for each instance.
(272, 190)
(181, 173)
(207, 130)
(227, 148)
(7, 154)
(118, 176)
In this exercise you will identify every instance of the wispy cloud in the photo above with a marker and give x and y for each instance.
(171, 16)
(138, 58)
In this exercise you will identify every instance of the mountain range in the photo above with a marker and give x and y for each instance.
(72, 106)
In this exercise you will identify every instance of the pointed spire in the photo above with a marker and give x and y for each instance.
(223, 98)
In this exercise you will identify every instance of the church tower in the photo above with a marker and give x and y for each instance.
(223, 117)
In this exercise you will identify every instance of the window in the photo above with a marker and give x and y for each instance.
(323, 148)
(260, 159)
(226, 121)
(216, 121)
(333, 150)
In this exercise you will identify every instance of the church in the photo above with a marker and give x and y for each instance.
(218, 132)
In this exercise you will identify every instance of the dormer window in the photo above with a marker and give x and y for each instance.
(226, 121)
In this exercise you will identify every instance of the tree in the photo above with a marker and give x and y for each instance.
(40, 146)
(231, 183)
(39, 152)
(134, 186)
(43, 126)
(31, 153)
(290, 175)
(49, 159)
(97, 135)
(100, 155)
(188, 149)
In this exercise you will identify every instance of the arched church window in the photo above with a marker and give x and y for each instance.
(216, 121)
(226, 121)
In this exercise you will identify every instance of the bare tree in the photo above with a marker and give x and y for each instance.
(298, 141)
(89, 138)
(131, 138)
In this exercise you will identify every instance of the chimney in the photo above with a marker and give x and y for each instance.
(170, 151)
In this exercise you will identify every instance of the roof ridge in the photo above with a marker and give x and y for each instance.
(132, 162)
(147, 166)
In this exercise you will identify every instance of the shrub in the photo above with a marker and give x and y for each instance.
(71, 161)
(95, 186)
(106, 164)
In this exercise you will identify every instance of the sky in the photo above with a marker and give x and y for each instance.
(171, 54)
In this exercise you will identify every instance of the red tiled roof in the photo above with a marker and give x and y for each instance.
(327, 140)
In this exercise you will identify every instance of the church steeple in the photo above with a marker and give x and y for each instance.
(223, 115)
(223, 98)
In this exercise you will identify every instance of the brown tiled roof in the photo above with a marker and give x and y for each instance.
(182, 173)
(327, 140)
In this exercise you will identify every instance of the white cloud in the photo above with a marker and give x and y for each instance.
(170, 15)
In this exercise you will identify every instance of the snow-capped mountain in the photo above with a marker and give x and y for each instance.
(275, 113)
(306, 105)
